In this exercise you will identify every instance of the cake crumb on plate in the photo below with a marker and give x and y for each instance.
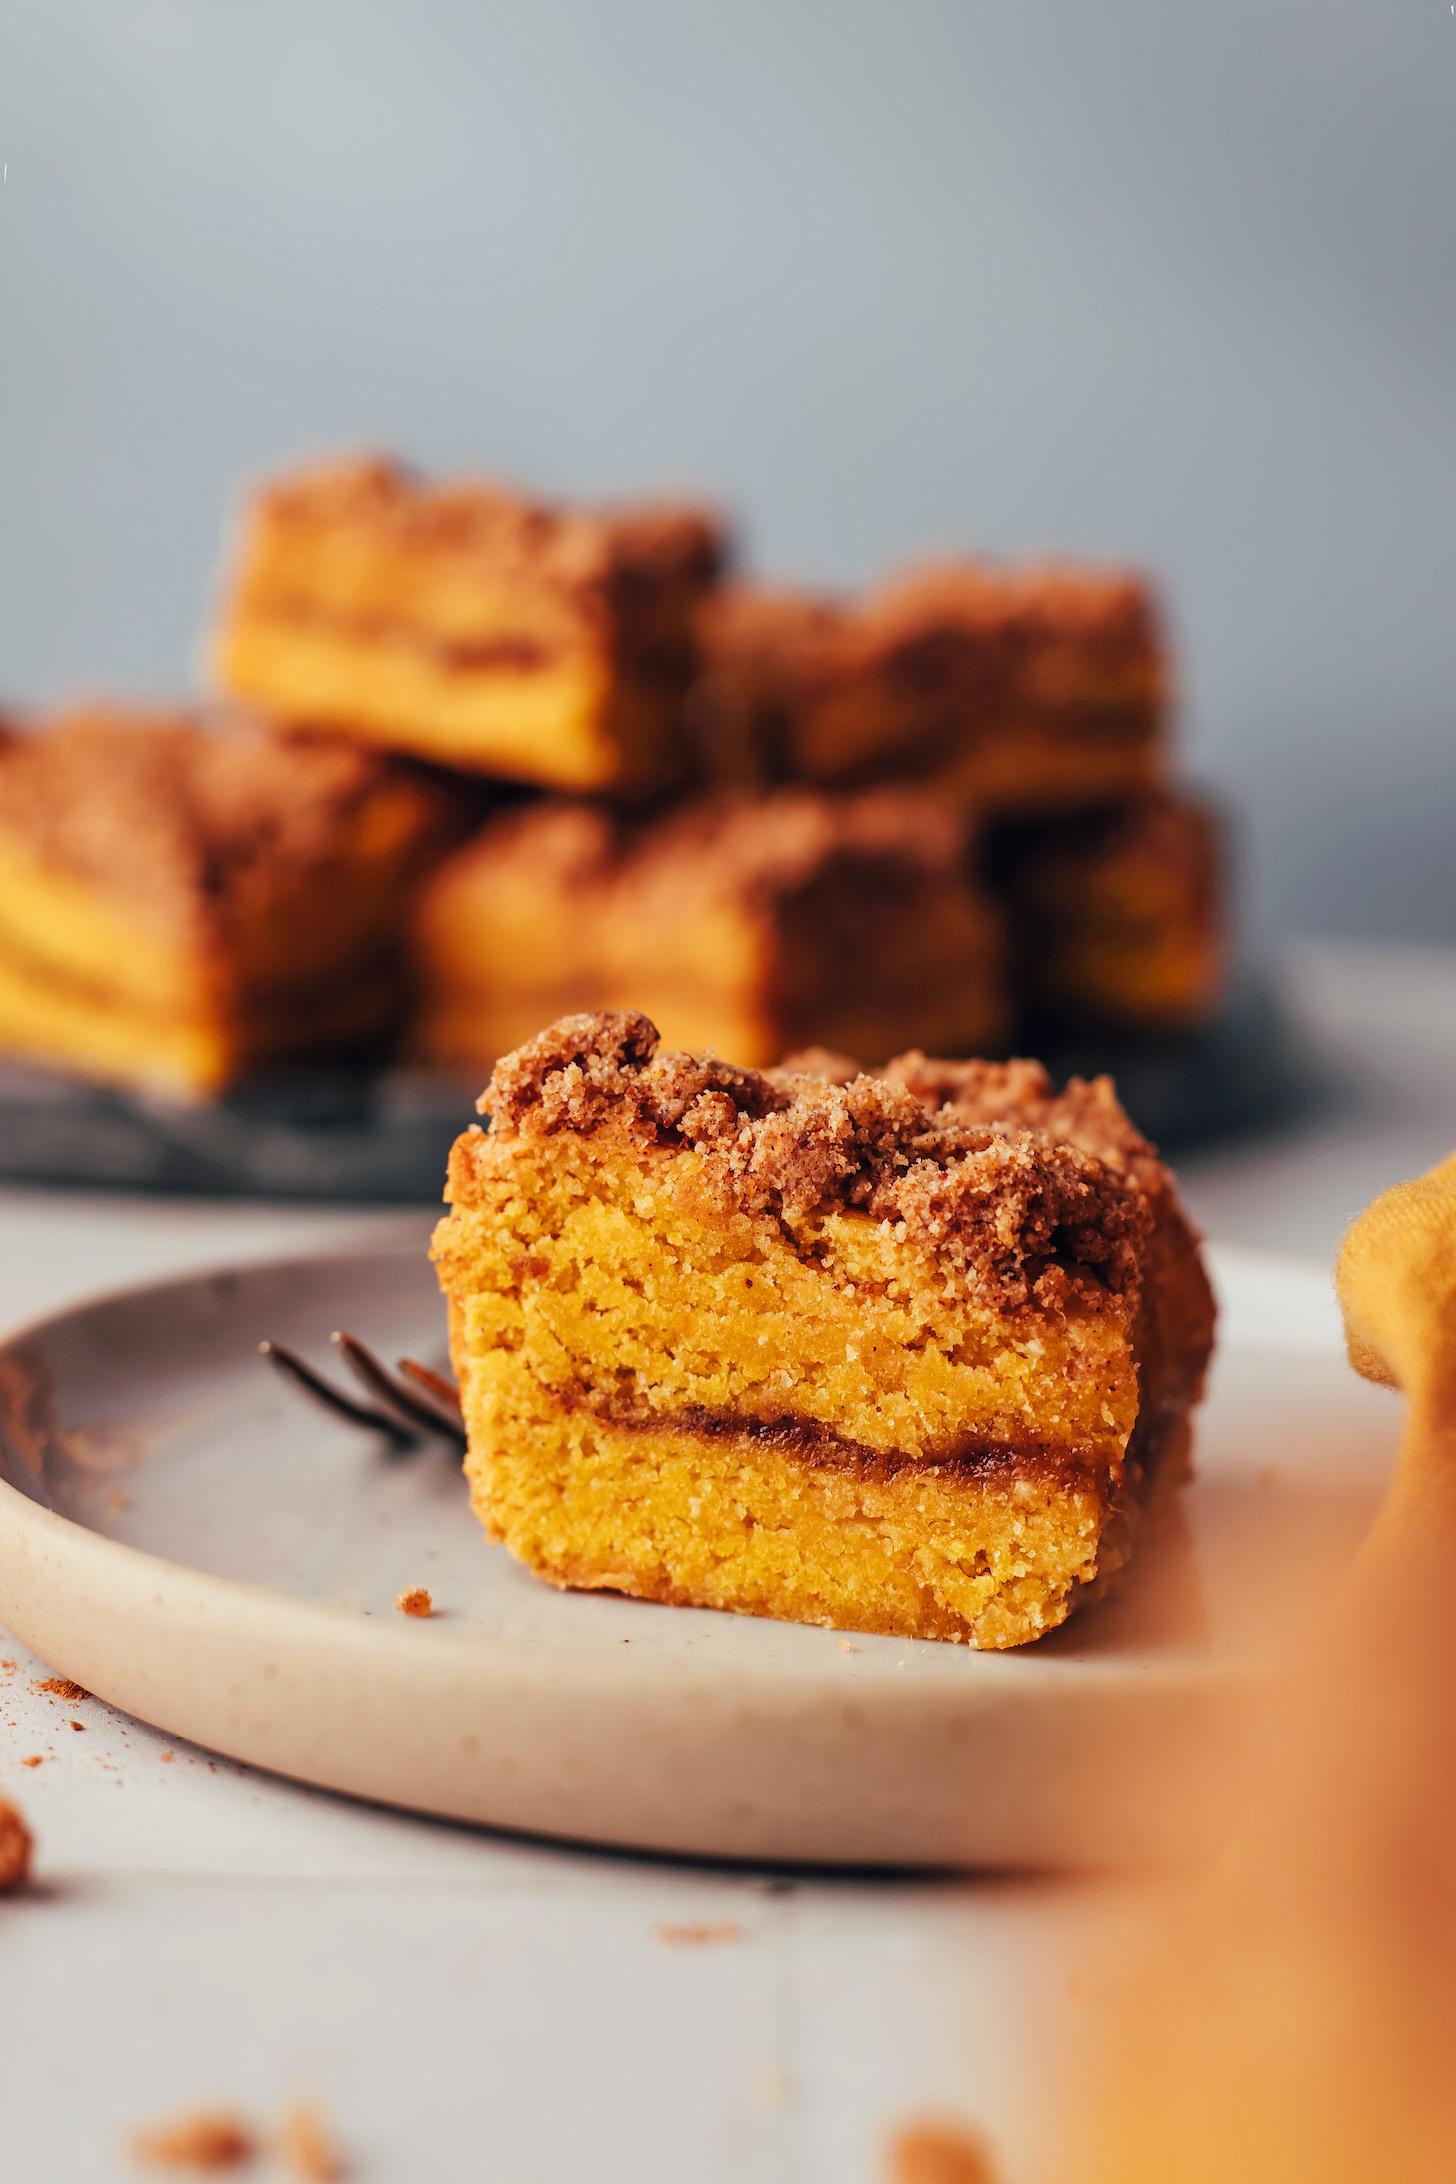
(418, 1600)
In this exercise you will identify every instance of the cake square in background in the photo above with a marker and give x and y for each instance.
(184, 901)
(470, 625)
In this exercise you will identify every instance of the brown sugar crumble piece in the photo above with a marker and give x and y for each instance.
(307, 2148)
(418, 1600)
(936, 2153)
(15, 1849)
(61, 1687)
(32, 1759)
(700, 1934)
(208, 2139)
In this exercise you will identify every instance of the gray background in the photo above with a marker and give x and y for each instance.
(1173, 280)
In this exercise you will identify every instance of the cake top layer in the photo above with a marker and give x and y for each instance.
(1106, 612)
(1022, 1215)
(723, 848)
(180, 813)
(640, 545)
(1097, 604)
(780, 844)
(1087, 1112)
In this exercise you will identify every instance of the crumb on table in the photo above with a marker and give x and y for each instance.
(936, 2153)
(700, 1934)
(61, 1687)
(15, 1849)
(418, 1600)
(307, 2147)
(32, 1759)
(205, 2140)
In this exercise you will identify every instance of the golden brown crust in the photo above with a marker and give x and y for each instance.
(190, 815)
(1022, 1216)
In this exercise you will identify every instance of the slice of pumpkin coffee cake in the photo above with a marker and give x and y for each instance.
(806, 1344)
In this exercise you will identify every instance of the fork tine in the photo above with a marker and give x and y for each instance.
(313, 1384)
(365, 1366)
(444, 1391)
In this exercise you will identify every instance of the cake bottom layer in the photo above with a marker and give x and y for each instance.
(557, 719)
(991, 1548)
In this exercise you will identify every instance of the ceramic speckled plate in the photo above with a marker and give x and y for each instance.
(183, 1536)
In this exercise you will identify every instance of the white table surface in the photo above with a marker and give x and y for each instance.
(468, 2007)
